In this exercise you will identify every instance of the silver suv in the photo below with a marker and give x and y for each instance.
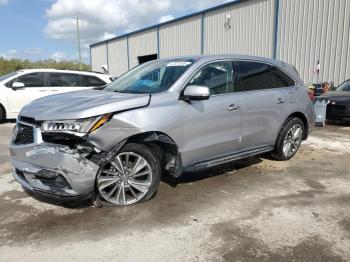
(169, 115)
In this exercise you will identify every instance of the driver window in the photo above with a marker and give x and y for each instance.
(30, 80)
(216, 76)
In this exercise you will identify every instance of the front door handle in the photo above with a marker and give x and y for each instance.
(281, 100)
(42, 90)
(233, 107)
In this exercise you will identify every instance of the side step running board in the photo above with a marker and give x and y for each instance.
(228, 158)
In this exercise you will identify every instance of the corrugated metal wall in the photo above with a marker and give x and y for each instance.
(251, 29)
(117, 57)
(144, 43)
(312, 30)
(307, 31)
(181, 38)
(98, 57)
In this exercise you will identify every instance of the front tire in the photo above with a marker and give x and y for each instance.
(131, 176)
(2, 114)
(289, 139)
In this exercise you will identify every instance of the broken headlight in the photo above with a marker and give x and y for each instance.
(79, 126)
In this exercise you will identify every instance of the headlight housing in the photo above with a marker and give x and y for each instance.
(78, 127)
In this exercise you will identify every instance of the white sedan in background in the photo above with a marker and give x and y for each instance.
(21, 87)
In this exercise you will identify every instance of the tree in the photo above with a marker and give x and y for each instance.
(11, 65)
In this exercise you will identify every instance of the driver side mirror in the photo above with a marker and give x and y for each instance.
(194, 92)
(17, 85)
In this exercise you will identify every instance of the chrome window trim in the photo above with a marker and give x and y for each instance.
(296, 82)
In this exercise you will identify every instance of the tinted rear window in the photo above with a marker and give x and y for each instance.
(252, 76)
(258, 76)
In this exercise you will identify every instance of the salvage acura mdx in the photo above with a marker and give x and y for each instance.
(169, 115)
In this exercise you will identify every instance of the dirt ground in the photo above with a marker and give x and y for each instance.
(252, 210)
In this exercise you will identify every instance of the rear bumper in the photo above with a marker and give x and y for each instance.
(53, 170)
(311, 119)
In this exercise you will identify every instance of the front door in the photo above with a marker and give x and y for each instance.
(34, 87)
(212, 128)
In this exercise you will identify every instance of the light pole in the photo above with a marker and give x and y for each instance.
(78, 36)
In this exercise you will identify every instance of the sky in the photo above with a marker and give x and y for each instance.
(43, 29)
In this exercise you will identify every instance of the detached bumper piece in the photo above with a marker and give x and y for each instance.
(53, 170)
(44, 181)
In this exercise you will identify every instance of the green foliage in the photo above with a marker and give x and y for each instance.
(10, 65)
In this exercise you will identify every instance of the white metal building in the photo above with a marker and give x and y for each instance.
(301, 32)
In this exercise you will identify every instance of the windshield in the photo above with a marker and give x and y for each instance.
(344, 86)
(152, 77)
(8, 76)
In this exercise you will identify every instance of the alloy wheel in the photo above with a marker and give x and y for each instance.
(125, 180)
(292, 140)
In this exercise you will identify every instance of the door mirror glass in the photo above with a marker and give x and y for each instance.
(195, 92)
(17, 85)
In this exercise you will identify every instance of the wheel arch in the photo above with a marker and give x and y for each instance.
(164, 146)
(4, 111)
(303, 118)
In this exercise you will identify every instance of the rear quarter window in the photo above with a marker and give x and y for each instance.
(281, 79)
(92, 81)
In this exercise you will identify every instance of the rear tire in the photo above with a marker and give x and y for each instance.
(131, 176)
(289, 139)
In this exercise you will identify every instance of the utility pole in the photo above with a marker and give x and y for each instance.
(78, 35)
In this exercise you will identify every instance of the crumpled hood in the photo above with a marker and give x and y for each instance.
(82, 104)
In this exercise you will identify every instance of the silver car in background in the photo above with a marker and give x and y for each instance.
(170, 115)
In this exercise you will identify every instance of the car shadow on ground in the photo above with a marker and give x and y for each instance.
(185, 178)
(189, 177)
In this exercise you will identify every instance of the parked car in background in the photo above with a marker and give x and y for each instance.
(339, 102)
(21, 87)
(174, 115)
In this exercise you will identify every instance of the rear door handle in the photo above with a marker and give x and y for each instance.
(42, 90)
(54, 90)
(233, 107)
(281, 100)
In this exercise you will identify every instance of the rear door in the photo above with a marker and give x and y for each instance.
(34, 87)
(265, 103)
(212, 128)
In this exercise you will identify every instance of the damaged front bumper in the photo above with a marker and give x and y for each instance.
(53, 170)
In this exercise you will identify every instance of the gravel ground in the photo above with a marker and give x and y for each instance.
(251, 210)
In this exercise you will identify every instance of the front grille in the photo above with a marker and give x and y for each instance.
(24, 135)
